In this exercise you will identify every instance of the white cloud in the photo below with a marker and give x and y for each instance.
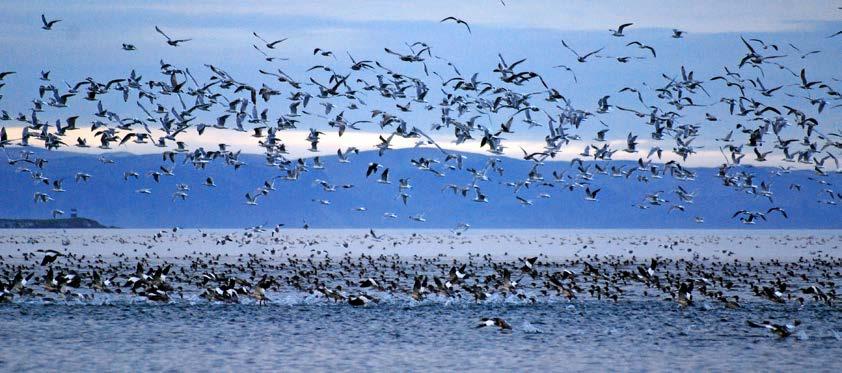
(298, 146)
(696, 16)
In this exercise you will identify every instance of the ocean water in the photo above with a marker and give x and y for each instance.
(82, 329)
(630, 336)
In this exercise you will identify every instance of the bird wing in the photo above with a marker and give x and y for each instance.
(272, 44)
(623, 26)
(592, 53)
(258, 36)
(568, 47)
(162, 33)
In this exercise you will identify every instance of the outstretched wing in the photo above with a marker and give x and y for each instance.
(162, 33)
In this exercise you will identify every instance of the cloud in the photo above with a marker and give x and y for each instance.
(298, 146)
(697, 16)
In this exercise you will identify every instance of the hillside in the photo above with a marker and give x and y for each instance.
(69, 223)
(108, 198)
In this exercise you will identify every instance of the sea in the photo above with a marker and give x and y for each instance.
(299, 330)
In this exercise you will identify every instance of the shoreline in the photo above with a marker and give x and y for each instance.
(555, 244)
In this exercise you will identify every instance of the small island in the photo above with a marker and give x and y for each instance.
(68, 223)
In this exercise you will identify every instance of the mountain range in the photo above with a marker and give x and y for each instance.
(113, 201)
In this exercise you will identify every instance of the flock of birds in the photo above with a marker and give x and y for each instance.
(343, 95)
(474, 110)
(278, 265)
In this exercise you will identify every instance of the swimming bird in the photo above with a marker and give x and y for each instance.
(782, 331)
(494, 321)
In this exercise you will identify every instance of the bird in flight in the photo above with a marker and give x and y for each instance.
(581, 58)
(170, 41)
(268, 44)
(457, 20)
(48, 25)
(619, 31)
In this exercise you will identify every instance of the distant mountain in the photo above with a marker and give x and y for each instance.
(113, 201)
(69, 223)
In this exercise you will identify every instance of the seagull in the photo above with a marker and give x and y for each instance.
(568, 69)
(418, 217)
(481, 198)
(252, 200)
(129, 47)
(643, 46)
(457, 20)
(778, 209)
(677, 34)
(48, 25)
(619, 31)
(372, 168)
(343, 157)
(384, 177)
(591, 195)
(170, 41)
(580, 58)
(268, 44)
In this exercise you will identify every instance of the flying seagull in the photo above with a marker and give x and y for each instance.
(173, 42)
(457, 20)
(268, 44)
(580, 58)
(48, 25)
(619, 31)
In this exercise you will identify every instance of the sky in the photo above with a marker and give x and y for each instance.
(86, 43)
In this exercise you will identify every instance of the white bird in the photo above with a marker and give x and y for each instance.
(252, 200)
(591, 195)
(619, 31)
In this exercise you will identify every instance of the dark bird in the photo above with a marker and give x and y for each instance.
(495, 321)
(268, 44)
(172, 42)
(579, 57)
(457, 20)
(48, 25)
(50, 256)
